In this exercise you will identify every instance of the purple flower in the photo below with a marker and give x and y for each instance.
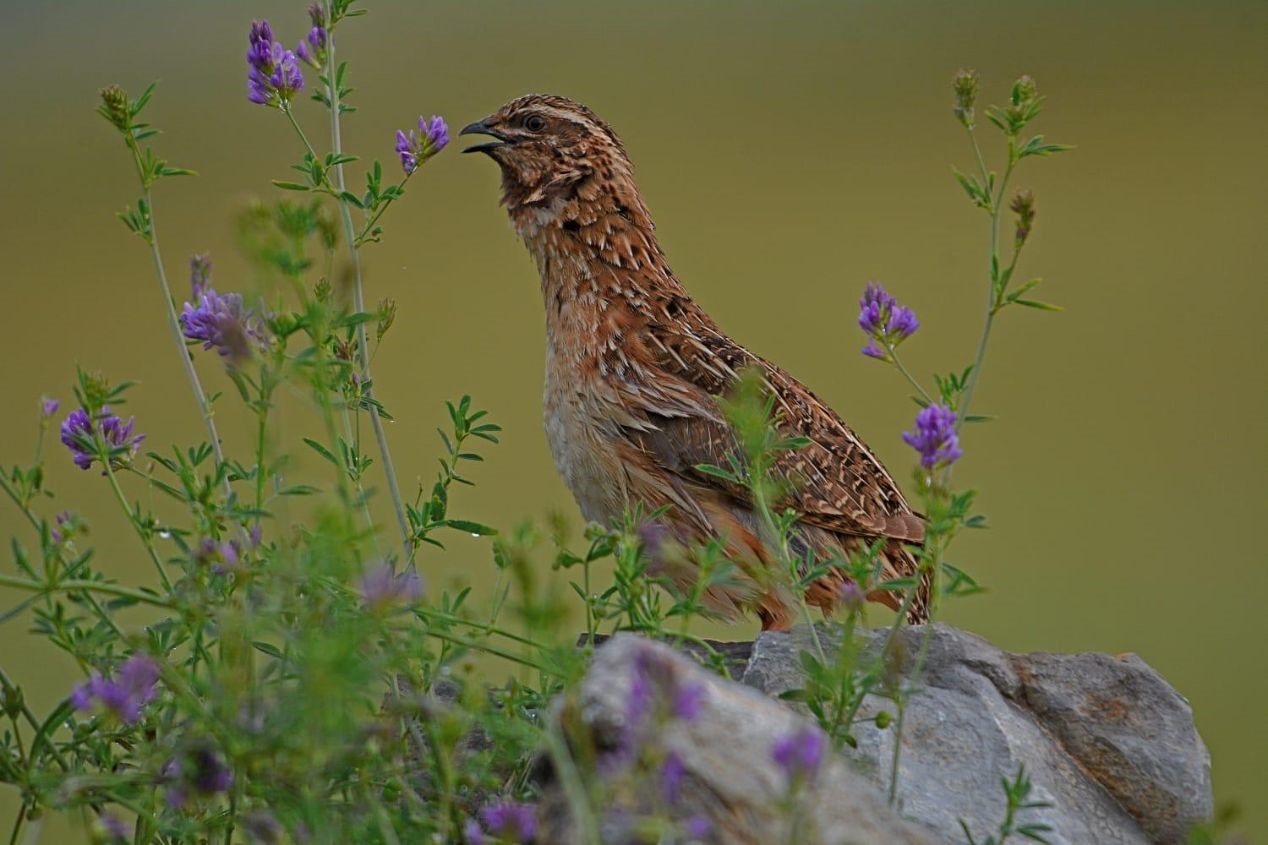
(473, 833)
(382, 590)
(696, 827)
(199, 274)
(78, 435)
(114, 827)
(874, 308)
(312, 50)
(273, 76)
(65, 527)
(799, 753)
(200, 770)
(886, 323)
(510, 820)
(225, 324)
(415, 148)
(874, 351)
(851, 597)
(902, 322)
(672, 772)
(48, 407)
(935, 437)
(132, 687)
(223, 557)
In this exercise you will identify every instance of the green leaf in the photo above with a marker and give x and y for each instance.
(471, 527)
(1042, 306)
(291, 186)
(1036, 147)
(322, 450)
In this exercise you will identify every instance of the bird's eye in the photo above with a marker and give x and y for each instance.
(534, 123)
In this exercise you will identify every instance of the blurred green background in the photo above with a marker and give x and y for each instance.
(790, 152)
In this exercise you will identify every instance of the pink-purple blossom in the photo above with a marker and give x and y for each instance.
(198, 771)
(382, 589)
(509, 821)
(414, 148)
(273, 75)
(886, 323)
(312, 49)
(223, 323)
(800, 753)
(935, 437)
(79, 432)
(123, 696)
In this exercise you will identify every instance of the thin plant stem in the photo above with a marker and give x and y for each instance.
(85, 586)
(975, 373)
(893, 354)
(135, 522)
(358, 301)
(173, 324)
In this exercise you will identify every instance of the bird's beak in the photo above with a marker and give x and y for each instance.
(482, 127)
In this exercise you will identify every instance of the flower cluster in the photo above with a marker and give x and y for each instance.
(508, 821)
(273, 76)
(799, 754)
(312, 49)
(382, 589)
(125, 694)
(886, 323)
(415, 148)
(198, 771)
(935, 437)
(223, 323)
(79, 435)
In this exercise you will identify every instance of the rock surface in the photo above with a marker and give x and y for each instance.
(725, 749)
(1105, 741)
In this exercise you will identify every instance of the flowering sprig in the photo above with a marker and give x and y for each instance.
(223, 323)
(122, 696)
(415, 148)
(312, 49)
(273, 75)
(106, 438)
(935, 437)
(886, 323)
(382, 589)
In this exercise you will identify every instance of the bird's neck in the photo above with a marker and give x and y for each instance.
(595, 248)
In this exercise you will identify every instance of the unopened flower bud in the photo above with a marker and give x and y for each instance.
(883, 719)
(965, 87)
(11, 702)
(1023, 205)
(115, 107)
(1024, 90)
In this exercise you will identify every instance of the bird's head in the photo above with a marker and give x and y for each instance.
(548, 147)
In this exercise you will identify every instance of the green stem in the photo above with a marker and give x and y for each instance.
(133, 520)
(358, 299)
(173, 323)
(374, 218)
(975, 374)
(78, 586)
(898, 362)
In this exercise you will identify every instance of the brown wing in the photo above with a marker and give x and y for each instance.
(837, 483)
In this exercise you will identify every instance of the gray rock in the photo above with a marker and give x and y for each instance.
(1105, 740)
(730, 778)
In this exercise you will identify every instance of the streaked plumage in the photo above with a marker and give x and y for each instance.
(634, 370)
